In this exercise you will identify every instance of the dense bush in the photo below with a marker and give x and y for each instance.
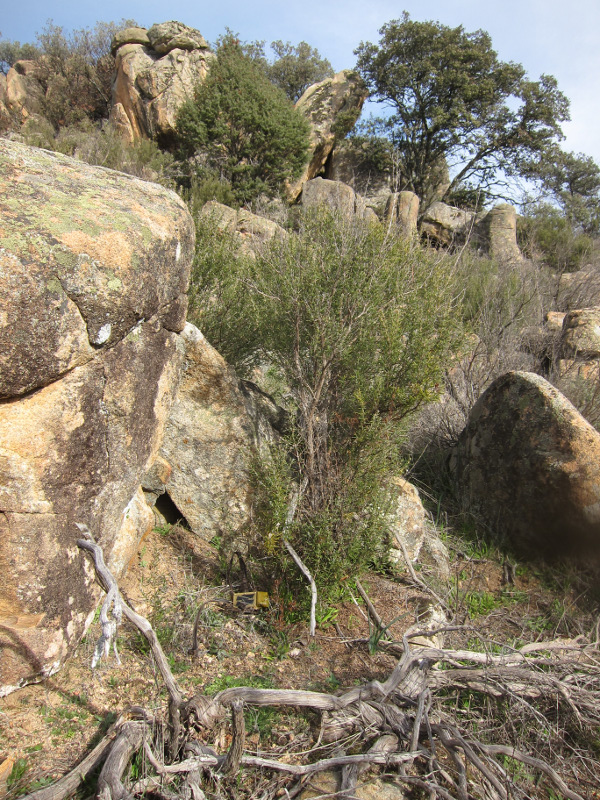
(358, 325)
(245, 128)
(546, 234)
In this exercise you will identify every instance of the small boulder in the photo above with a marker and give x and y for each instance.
(252, 230)
(129, 36)
(408, 523)
(24, 91)
(403, 209)
(337, 196)
(580, 336)
(529, 463)
(173, 35)
(444, 224)
(215, 425)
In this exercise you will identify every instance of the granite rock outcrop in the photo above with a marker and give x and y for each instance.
(94, 267)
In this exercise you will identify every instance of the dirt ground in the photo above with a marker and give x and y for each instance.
(45, 729)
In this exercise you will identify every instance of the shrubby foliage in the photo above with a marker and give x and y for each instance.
(244, 129)
(545, 233)
(572, 182)
(75, 70)
(358, 324)
(292, 68)
(103, 146)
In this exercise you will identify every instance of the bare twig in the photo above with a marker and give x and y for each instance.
(108, 582)
(313, 585)
(421, 584)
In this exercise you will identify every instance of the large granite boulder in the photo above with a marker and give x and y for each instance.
(251, 230)
(445, 225)
(529, 463)
(332, 107)
(94, 268)
(337, 197)
(216, 424)
(157, 70)
(580, 336)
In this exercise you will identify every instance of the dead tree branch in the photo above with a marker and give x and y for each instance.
(404, 722)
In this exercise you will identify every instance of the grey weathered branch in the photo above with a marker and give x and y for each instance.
(566, 673)
(109, 584)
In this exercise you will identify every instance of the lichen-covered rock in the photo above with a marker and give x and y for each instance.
(336, 196)
(501, 229)
(215, 425)
(173, 35)
(408, 523)
(580, 336)
(77, 274)
(156, 72)
(94, 266)
(445, 224)
(252, 230)
(529, 463)
(331, 106)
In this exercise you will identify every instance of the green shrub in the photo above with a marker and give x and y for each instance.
(246, 129)
(545, 233)
(358, 324)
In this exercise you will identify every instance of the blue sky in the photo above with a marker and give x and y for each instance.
(558, 37)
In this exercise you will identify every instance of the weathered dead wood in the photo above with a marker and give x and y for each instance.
(68, 785)
(400, 705)
(370, 607)
(109, 584)
(234, 754)
(292, 508)
(313, 586)
(128, 742)
(351, 772)
(499, 749)
(385, 759)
